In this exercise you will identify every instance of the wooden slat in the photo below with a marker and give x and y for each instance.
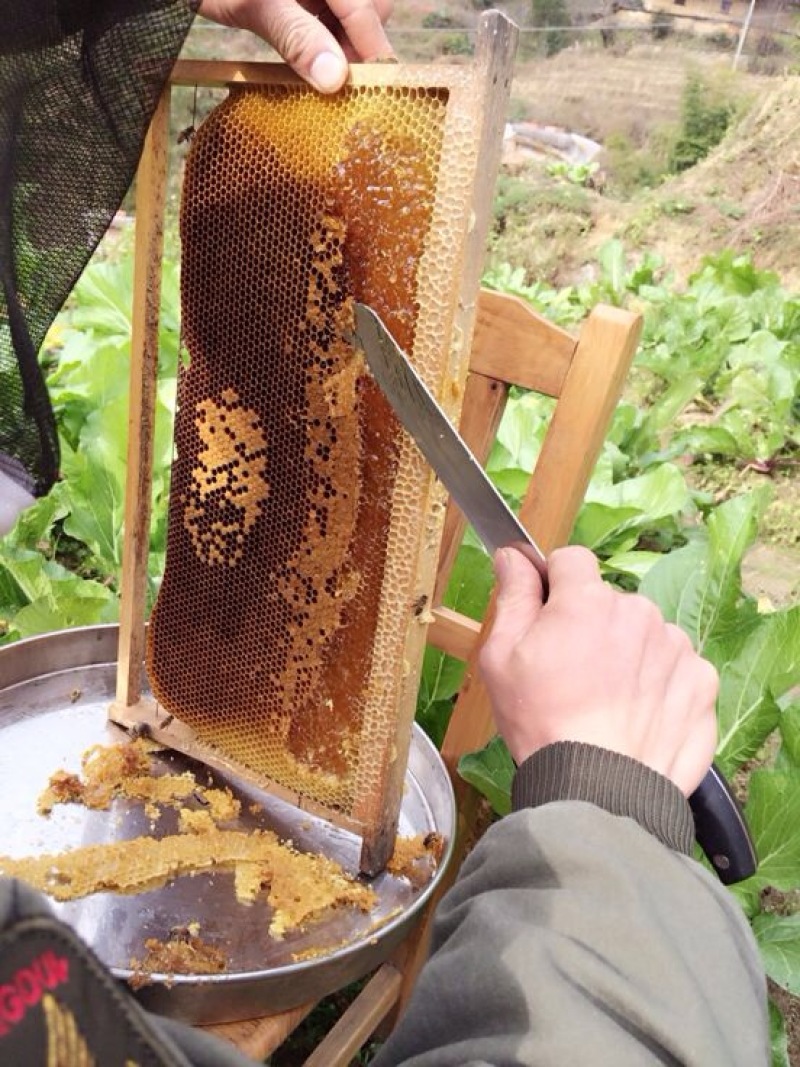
(357, 1024)
(514, 344)
(257, 1038)
(159, 725)
(479, 105)
(481, 411)
(221, 73)
(495, 49)
(580, 422)
(453, 633)
(151, 187)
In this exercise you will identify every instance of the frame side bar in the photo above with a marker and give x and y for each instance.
(151, 186)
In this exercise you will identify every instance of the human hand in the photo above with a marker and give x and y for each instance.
(315, 38)
(598, 666)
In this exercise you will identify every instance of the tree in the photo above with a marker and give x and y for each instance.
(554, 15)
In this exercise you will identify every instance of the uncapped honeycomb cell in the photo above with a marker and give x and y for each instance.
(290, 469)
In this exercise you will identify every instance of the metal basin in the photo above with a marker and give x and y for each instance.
(54, 692)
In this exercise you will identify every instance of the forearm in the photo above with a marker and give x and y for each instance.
(573, 935)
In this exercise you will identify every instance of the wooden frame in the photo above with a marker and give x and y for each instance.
(476, 96)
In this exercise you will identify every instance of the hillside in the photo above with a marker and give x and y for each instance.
(745, 195)
(625, 90)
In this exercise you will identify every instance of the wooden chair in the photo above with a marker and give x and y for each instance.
(513, 345)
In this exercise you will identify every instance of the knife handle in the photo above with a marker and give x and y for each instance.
(721, 830)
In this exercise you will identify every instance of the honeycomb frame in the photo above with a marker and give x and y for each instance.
(475, 100)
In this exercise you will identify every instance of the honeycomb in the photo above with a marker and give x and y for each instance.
(299, 886)
(296, 506)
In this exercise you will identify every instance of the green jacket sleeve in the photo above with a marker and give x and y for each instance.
(574, 935)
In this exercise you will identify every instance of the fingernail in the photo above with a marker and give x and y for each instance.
(328, 72)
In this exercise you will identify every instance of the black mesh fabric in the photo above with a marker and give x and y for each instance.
(79, 80)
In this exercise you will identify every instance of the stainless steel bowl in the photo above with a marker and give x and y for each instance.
(54, 694)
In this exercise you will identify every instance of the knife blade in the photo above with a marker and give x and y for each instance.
(720, 826)
(440, 443)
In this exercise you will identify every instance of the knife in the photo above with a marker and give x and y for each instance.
(720, 827)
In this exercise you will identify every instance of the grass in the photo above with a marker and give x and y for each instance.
(538, 221)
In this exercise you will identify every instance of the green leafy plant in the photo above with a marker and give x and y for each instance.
(38, 593)
(705, 117)
(60, 565)
(718, 369)
(576, 173)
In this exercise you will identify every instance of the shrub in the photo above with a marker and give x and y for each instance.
(705, 117)
(768, 45)
(440, 20)
(662, 25)
(633, 167)
(456, 44)
(722, 41)
(553, 15)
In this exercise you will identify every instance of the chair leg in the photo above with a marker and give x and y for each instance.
(258, 1038)
(359, 1022)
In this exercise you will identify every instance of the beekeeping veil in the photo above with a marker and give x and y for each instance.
(79, 80)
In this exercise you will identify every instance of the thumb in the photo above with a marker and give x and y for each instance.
(302, 40)
(519, 594)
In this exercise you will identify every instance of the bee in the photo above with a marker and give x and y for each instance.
(419, 605)
(184, 932)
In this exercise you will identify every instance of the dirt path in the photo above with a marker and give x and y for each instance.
(772, 572)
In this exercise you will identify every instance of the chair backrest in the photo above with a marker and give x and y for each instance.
(515, 346)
